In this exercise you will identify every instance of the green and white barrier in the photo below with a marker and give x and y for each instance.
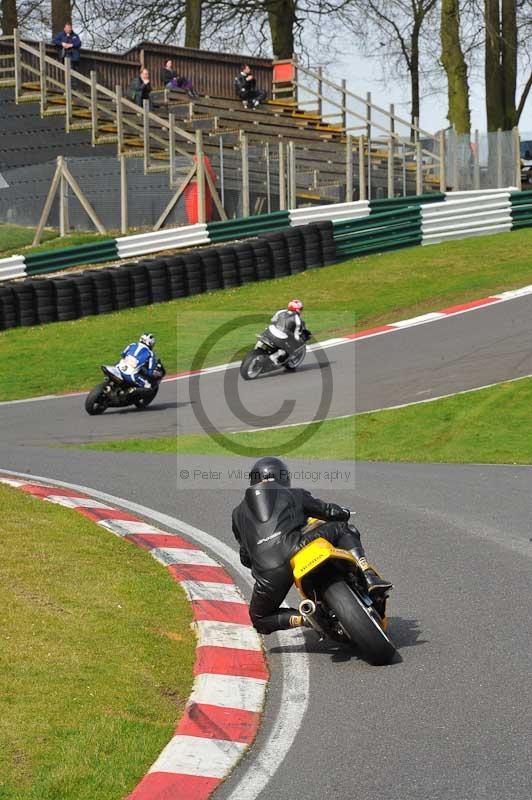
(360, 227)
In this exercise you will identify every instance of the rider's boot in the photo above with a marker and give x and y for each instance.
(376, 583)
(299, 621)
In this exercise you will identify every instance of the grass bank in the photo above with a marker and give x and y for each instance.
(358, 293)
(492, 426)
(96, 657)
(16, 240)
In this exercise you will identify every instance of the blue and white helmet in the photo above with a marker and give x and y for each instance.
(148, 339)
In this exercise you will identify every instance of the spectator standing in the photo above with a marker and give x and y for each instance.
(246, 88)
(171, 80)
(68, 44)
(140, 88)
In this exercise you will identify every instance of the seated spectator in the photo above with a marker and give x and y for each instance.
(246, 88)
(171, 80)
(68, 44)
(140, 88)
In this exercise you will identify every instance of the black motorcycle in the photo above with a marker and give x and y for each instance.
(115, 392)
(265, 356)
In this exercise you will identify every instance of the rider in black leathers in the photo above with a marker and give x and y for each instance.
(268, 526)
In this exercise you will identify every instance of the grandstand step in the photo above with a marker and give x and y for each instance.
(158, 168)
(107, 127)
(108, 139)
(5, 82)
(33, 86)
(29, 97)
(7, 69)
(54, 112)
(81, 112)
(80, 126)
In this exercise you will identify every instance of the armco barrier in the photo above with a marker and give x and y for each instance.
(521, 209)
(245, 227)
(12, 267)
(466, 217)
(387, 230)
(390, 203)
(64, 257)
(99, 291)
(337, 211)
(173, 238)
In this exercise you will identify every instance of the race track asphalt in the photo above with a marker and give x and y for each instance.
(451, 719)
(452, 354)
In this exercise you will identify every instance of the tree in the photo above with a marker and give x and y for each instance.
(282, 21)
(193, 13)
(453, 61)
(9, 17)
(61, 13)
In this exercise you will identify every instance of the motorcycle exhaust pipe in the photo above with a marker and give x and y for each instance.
(307, 608)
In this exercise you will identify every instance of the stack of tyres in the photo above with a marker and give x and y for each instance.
(212, 273)
(140, 285)
(84, 292)
(296, 255)
(228, 267)
(328, 245)
(25, 303)
(279, 253)
(8, 311)
(177, 279)
(121, 288)
(103, 290)
(263, 259)
(194, 273)
(45, 301)
(65, 299)
(158, 280)
(311, 246)
(245, 260)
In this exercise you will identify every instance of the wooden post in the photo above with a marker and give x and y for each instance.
(361, 169)
(419, 168)
(499, 158)
(63, 202)
(48, 202)
(443, 177)
(268, 178)
(282, 179)
(404, 169)
(94, 109)
(344, 104)
(173, 201)
(292, 203)
(119, 121)
(123, 194)
(68, 94)
(222, 174)
(171, 149)
(42, 77)
(368, 135)
(456, 174)
(320, 91)
(390, 166)
(348, 168)
(476, 162)
(200, 176)
(245, 173)
(146, 134)
(517, 156)
(18, 64)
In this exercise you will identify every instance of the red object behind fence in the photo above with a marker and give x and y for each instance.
(191, 196)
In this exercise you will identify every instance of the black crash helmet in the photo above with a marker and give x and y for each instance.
(269, 468)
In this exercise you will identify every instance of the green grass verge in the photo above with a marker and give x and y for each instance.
(365, 291)
(486, 426)
(16, 240)
(96, 658)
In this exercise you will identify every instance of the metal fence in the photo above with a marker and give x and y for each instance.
(483, 161)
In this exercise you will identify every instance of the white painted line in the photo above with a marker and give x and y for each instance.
(123, 527)
(292, 653)
(229, 691)
(227, 634)
(194, 755)
(421, 320)
(182, 555)
(76, 502)
(208, 590)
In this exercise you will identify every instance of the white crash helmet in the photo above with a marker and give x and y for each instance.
(148, 339)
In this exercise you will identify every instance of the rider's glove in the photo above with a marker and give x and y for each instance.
(244, 558)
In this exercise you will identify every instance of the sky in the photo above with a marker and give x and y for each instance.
(362, 76)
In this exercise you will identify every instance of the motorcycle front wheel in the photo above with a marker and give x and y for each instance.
(296, 360)
(253, 365)
(95, 402)
(360, 623)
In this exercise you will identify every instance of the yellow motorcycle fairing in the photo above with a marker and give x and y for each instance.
(312, 556)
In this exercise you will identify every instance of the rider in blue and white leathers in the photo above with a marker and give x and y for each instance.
(138, 361)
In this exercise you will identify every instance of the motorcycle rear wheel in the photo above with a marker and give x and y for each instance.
(253, 365)
(360, 623)
(146, 398)
(293, 363)
(93, 401)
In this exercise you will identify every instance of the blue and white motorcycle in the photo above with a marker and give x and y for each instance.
(118, 390)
